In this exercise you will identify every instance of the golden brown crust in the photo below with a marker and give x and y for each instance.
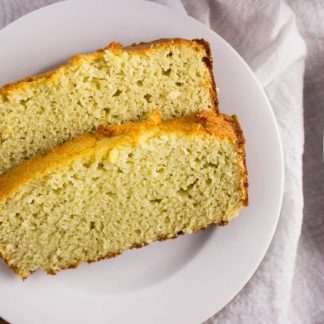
(198, 123)
(27, 171)
(17, 271)
(205, 123)
(211, 124)
(130, 127)
(241, 142)
(198, 44)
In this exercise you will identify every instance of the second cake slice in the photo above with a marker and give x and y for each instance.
(96, 196)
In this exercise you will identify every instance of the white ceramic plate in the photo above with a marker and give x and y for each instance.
(179, 281)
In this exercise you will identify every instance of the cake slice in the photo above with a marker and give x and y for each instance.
(129, 185)
(110, 86)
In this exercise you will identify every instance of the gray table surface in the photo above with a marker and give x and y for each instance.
(311, 25)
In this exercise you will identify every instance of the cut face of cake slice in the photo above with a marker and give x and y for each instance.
(126, 186)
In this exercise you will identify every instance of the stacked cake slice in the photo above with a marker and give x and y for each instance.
(163, 162)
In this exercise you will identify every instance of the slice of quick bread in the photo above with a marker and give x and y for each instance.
(124, 187)
(110, 86)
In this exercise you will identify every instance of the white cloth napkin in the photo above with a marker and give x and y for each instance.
(264, 32)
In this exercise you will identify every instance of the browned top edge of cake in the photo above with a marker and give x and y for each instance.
(241, 142)
(204, 123)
